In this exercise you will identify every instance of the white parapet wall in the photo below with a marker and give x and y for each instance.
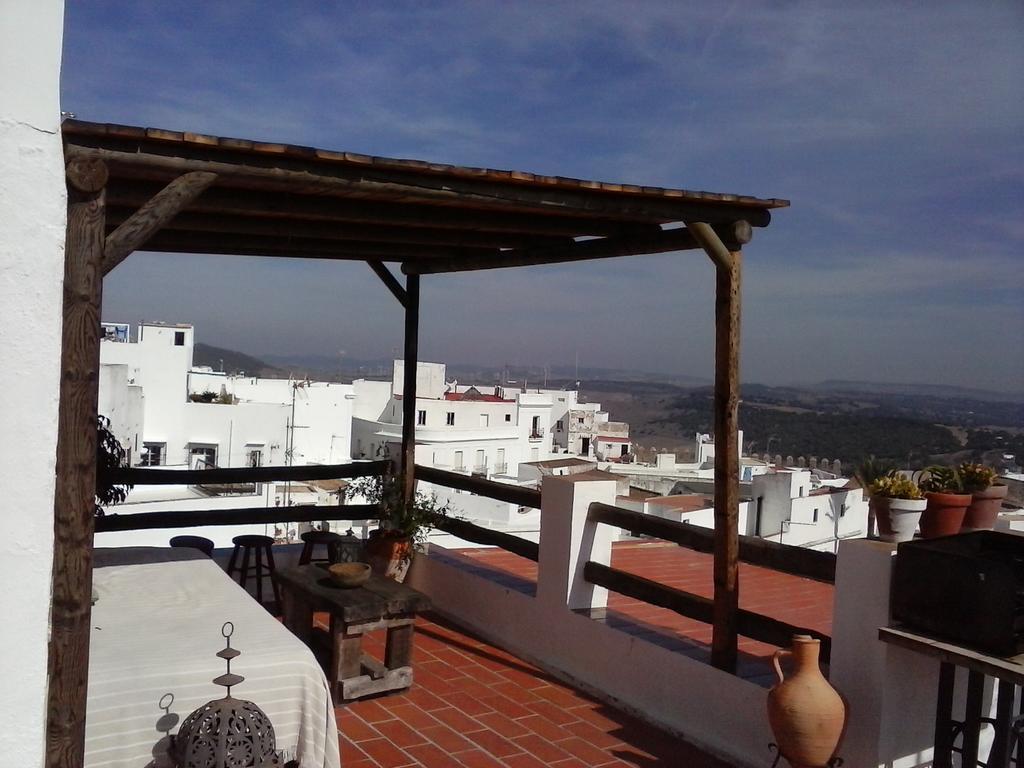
(718, 712)
(32, 219)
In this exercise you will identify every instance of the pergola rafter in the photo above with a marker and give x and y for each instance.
(136, 188)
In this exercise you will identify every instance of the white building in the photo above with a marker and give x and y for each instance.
(485, 432)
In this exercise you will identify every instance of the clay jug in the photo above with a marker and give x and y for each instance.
(805, 712)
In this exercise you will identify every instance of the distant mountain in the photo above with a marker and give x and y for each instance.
(918, 390)
(231, 361)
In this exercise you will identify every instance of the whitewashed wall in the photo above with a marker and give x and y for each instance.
(32, 217)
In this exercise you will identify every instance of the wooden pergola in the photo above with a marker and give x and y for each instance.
(131, 188)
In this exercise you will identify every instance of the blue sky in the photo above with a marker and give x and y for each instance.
(895, 130)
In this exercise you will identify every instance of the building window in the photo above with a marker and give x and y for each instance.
(508, 417)
(559, 426)
(179, 338)
(449, 418)
(581, 420)
(842, 510)
(153, 454)
(815, 518)
(481, 461)
(421, 418)
(457, 461)
(254, 457)
(202, 456)
(485, 420)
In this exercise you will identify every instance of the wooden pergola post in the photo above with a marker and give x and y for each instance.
(410, 364)
(728, 265)
(75, 497)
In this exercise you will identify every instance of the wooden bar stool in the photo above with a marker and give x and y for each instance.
(312, 539)
(260, 545)
(201, 543)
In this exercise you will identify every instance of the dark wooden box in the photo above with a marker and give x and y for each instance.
(968, 589)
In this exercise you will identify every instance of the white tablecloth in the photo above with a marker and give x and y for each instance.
(156, 630)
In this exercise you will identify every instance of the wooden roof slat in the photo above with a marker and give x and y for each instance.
(82, 129)
(276, 227)
(129, 193)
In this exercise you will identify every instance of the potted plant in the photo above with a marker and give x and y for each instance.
(947, 502)
(904, 503)
(986, 496)
(403, 526)
(866, 473)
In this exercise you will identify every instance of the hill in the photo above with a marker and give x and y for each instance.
(231, 361)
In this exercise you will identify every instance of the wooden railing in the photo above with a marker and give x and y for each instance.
(768, 554)
(511, 494)
(246, 515)
(798, 561)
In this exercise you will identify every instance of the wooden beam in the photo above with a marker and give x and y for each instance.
(147, 521)
(228, 475)
(275, 206)
(513, 494)
(75, 497)
(164, 206)
(197, 223)
(786, 558)
(490, 537)
(708, 239)
(390, 281)
(410, 364)
(662, 241)
(727, 463)
(170, 241)
(753, 625)
(319, 178)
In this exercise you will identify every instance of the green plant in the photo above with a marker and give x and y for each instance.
(870, 470)
(110, 454)
(400, 519)
(941, 480)
(203, 397)
(977, 477)
(896, 486)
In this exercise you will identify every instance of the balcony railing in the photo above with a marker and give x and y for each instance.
(537, 434)
(501, 469)
(480, 469)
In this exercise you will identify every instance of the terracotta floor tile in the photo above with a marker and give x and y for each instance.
(524, 761)
(386, 754)
(542, 748)
(476, 758)
(493, 743)
(431, 756)
(544, 727)
(355, 728)
(447, 739)
(350, 752)
(502, 724)
(458, 720)
(585, 751)
(400, 734)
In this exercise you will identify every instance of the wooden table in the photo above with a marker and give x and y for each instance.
(378, 604)
(1009, 671)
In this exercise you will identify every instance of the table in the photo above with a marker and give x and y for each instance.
(156, 630)
(1009, 671)
(378, 604)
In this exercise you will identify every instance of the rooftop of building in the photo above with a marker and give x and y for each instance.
(684, 502)
(559, 463)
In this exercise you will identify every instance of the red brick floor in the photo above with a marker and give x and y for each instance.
(797, 601)
(474, 705)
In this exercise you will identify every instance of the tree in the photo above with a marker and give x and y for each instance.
(110, 454)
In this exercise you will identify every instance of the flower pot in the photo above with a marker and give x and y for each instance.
(981, 515)
(944, 514)
(878, 510)
(389, 555)
(902, 516)
(806, 714)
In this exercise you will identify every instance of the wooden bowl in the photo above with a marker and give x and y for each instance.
(349, 575)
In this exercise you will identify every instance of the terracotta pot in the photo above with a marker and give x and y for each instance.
(806, 714)
(878, 509)
(944, 514)
(984, 509)
(389, 555)
(902, 516)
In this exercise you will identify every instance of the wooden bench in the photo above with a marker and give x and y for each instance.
(378, 604)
